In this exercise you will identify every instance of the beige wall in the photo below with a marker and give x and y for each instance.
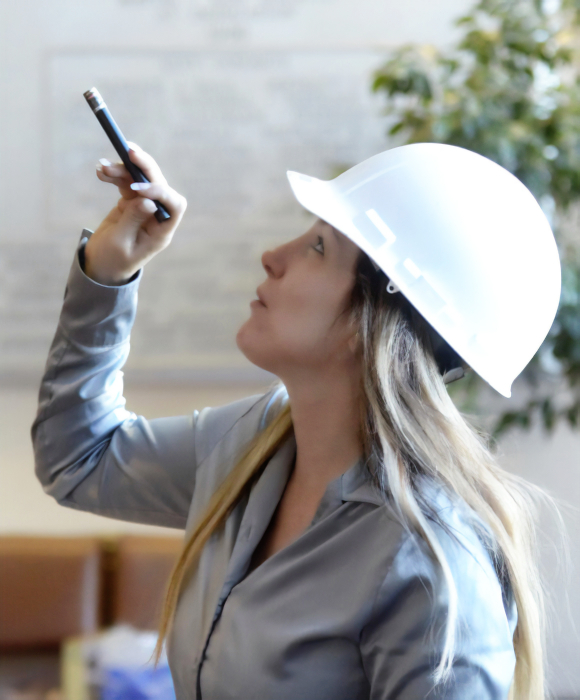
(227, 96)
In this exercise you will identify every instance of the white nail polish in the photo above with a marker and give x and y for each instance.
(99, 167)
(140, 185)
(104, 161)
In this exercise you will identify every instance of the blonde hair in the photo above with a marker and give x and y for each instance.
(412, 431)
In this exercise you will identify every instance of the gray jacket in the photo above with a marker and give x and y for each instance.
(352, 609)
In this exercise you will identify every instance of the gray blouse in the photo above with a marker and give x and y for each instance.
(354, 608)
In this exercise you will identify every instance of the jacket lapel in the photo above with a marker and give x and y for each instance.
(354, 485)
(262, 503)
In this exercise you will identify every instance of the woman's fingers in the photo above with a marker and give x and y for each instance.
(115, 173)
(172, 200)
(122, 183)
(146, 162)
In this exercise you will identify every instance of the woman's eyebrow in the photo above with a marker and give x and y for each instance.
(336, 235)
(331, 227)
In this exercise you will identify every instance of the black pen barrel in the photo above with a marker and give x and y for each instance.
(120, 144)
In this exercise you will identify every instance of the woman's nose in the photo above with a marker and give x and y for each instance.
(271, 263)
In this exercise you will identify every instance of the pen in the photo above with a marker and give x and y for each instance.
(101, 112)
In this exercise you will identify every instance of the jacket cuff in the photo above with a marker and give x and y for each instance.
(95, 314)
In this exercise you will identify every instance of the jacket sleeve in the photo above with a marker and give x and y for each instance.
(403, 642)
(90, 452)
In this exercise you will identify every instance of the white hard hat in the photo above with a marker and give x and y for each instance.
(462, 238)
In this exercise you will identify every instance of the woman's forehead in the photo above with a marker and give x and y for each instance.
(339, 236)
(344, 242)
(322, 222)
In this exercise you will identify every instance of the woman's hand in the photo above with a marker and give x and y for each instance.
(129, 236)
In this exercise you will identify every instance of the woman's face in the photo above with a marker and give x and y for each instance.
(308, 286)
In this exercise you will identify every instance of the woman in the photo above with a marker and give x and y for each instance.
(348, 534)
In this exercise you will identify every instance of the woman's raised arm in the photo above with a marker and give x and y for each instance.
(90, 452)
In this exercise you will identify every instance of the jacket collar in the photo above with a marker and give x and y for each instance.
(355, 484)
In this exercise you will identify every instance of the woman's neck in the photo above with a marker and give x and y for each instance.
(326, 419)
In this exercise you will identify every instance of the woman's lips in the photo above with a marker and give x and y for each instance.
(260, 298)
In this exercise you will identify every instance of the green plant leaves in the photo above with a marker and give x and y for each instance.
(510, 90)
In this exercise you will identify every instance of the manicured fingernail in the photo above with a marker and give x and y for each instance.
(104, 161)
(140, 185)
(132, 146)
(99, 167)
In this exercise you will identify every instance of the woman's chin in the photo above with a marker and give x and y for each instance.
(245, 345)
(252, 350)
(241, 338)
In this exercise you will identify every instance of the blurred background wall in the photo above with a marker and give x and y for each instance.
(227, 96)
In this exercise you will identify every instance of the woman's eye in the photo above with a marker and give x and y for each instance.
(320, 242)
